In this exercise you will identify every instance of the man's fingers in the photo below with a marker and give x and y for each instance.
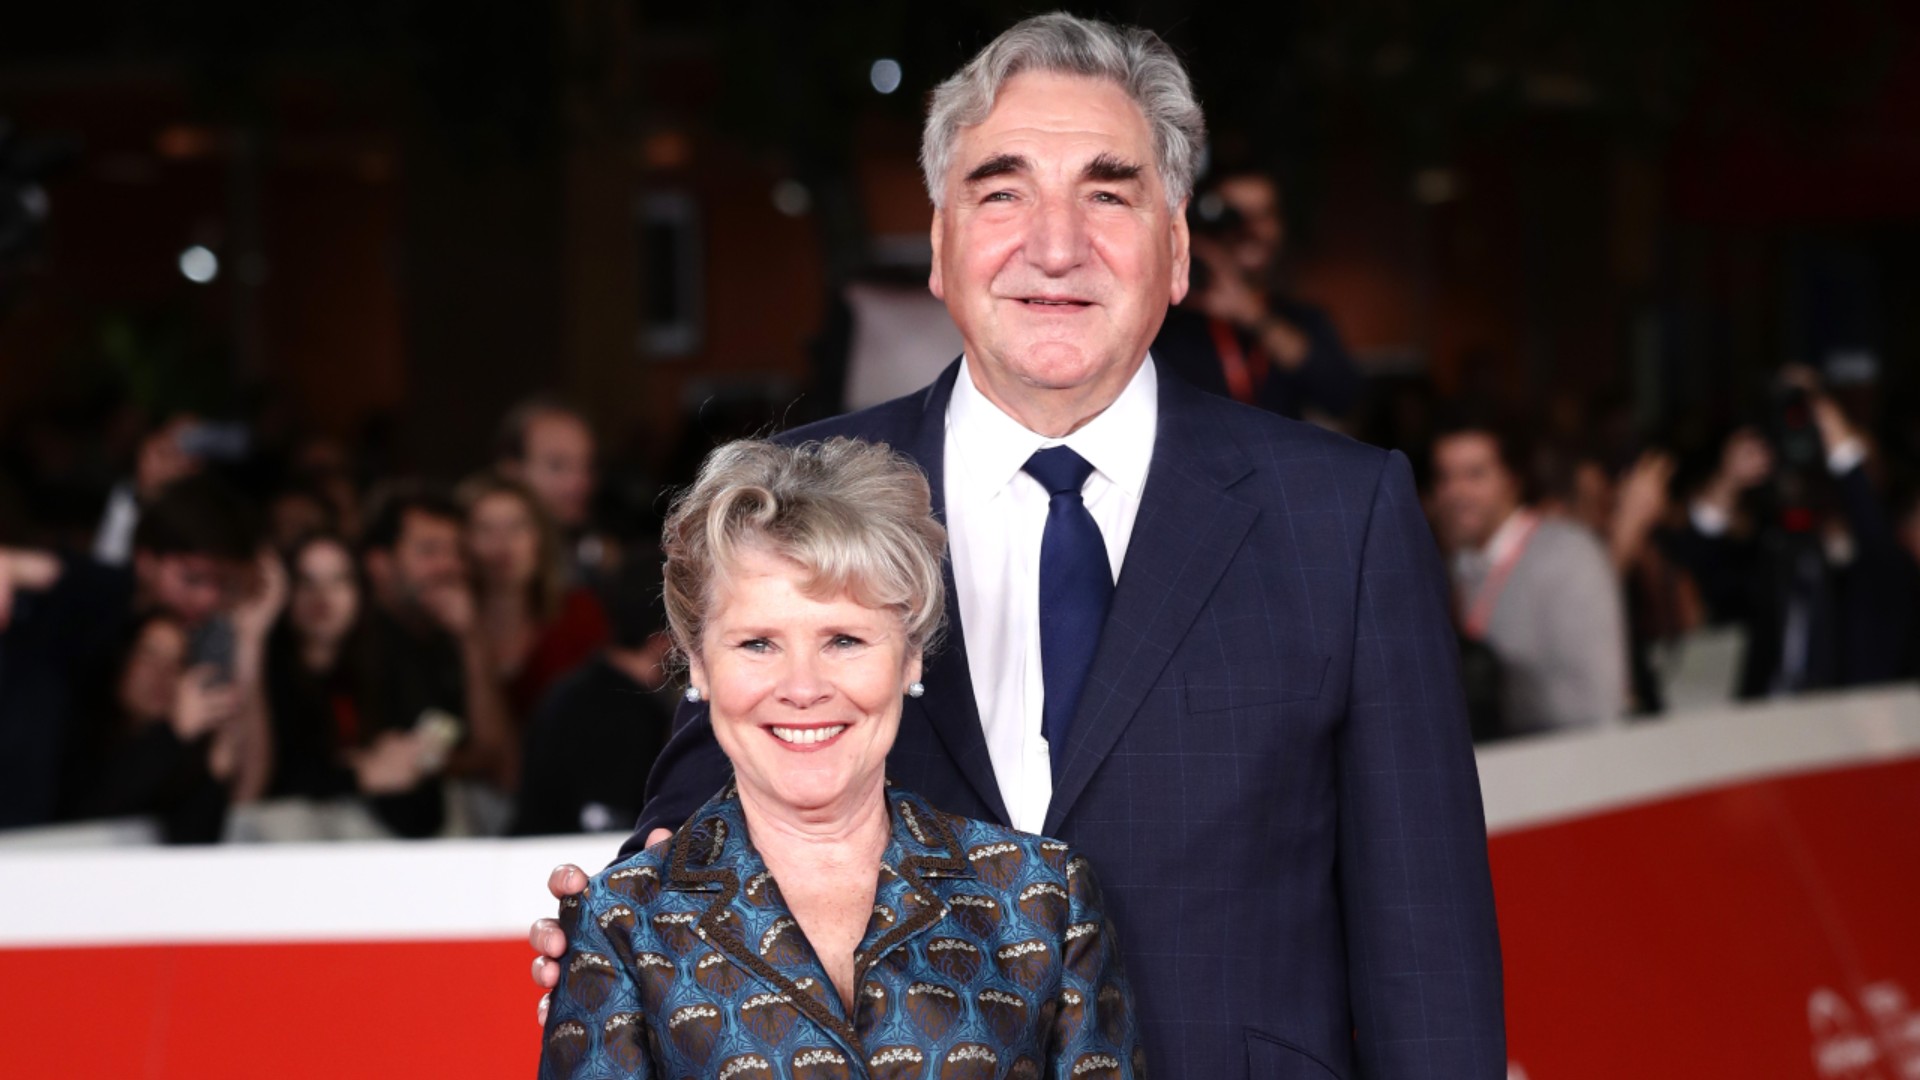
(548, 939)
(546, 972)
(566, 880)
(544, 1000)
(658, 835)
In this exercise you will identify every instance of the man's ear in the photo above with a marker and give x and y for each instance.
(935, 284)
(1182, 254)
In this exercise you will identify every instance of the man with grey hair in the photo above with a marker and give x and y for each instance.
(1208, 646)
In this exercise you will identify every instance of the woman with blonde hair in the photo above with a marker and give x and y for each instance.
(538, 627)
(812, 920)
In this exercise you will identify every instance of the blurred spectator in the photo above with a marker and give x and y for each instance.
(1244, 335)
(434, 675)
(298, 509)
(596, 734)
(163, 458)
(1539, 593)
(1662, 603)
(321, 680)
(66, 619)
(550, 448)
(1790, 539)
(159, 738)
(536, 627)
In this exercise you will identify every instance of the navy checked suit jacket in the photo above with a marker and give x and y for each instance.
(1270, 764)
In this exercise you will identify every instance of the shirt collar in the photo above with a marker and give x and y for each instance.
(1118, 442)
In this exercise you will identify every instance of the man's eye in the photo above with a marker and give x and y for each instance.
(999, 196)
(1109, 197)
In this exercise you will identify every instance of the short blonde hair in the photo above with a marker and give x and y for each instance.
(855, 516)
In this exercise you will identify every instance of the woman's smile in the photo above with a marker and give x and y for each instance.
(808, 739)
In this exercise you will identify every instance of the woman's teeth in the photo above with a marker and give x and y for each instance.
(803, 736)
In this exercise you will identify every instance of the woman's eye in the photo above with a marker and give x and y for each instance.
(846, 641)
(756, 645)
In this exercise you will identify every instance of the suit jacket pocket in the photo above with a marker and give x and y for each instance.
(1288, 678)
(1270, 1057)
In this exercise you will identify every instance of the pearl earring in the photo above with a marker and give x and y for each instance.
(692, 693)
(916, 689)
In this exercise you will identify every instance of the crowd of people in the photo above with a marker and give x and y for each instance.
(413, 660)
(395, 657)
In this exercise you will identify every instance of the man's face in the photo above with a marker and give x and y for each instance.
(1055, 251)
(1257, 200)
(426, 557)
(1473, 490)
(559, 466)
(192, 588)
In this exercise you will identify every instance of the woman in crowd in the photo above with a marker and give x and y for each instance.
(320, 680)
(538, 629)
(811, 920)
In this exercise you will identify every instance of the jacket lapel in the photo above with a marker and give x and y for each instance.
(1187, 532)
(948, 705)
(712, 854)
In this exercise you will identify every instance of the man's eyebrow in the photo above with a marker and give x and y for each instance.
(1108, 169)
(999, 165)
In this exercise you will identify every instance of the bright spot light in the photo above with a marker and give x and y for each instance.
(792, 198)
(199, 264)
(885, 75)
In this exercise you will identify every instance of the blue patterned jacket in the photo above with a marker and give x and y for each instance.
(987, 956)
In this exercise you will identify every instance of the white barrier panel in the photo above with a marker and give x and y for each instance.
(1725, 894)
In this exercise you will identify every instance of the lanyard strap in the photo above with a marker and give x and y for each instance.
(1480, 615)
(1233, 361)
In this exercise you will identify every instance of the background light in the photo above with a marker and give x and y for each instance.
(885, 75)
(199, 264)
(792, 198)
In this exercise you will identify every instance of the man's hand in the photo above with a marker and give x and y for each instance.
(161, 461)
(266, 595)
(450, 605)
(394, 763)
(1638, 507)
(201, 703)
(24, 571)
(546, 937)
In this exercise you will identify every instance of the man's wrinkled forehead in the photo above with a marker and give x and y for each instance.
(1043, 121)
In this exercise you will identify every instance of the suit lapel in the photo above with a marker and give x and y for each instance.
(1187, 532)
(948, 705)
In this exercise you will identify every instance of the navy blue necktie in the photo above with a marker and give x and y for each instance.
(1076, 584)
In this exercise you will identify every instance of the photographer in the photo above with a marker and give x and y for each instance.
(1240, 334)
(1790, 539)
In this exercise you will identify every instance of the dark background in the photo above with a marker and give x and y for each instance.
(425, 210)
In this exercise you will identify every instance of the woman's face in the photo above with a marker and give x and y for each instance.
(153, 670)
(805, 691)
(326, 597)
(504, 540)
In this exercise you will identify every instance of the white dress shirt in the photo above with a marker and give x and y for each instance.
(996, 516)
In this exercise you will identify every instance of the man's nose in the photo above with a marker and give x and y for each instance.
(1057, 235)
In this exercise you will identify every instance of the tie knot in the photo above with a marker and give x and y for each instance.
(1059, 470)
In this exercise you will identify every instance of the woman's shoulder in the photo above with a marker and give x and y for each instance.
(1005, 854)
(637, 878)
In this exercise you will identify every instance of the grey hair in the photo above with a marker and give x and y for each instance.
(1142, 64)
(856, 517)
